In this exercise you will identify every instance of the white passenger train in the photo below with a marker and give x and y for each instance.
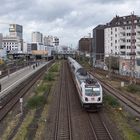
(89, 89)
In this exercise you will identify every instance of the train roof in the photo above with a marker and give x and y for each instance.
(82, 74)
(77, 66)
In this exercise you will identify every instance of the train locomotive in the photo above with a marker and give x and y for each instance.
(89, 89)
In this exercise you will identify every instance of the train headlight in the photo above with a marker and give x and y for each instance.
(86, 99)
(99, 98)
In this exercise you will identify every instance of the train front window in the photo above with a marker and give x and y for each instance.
(91, 92)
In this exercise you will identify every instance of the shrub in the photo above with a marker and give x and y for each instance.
(49, 77)
(111, 101)
(133, 88)
(36, 101)
(41, 88)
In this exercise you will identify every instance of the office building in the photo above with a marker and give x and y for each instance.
(37, 37)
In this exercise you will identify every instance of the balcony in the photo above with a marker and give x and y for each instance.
(138, 43)
(122, 41)
(122, 32)
(138, 38)
(122, 37)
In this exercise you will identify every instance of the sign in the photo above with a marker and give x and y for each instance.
(21, 100)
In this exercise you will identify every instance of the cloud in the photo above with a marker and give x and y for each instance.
(63, 18)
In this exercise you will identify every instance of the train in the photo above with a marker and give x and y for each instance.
(89, 89)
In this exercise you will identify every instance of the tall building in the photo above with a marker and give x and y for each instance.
(48, 40)
(98, 44)
(85, 45)
(16, 30)
(118, 40)
(37, 37)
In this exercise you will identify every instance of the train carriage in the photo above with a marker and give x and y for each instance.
(89, 89)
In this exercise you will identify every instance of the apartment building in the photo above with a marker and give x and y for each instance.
(117, 42)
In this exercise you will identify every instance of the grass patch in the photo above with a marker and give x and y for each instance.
(41, 88)
(9, 129)
(121, 118)
(36, 101)
(54, 68)
(49, 77)
(21, 135)
(113, 102)
(42, 123)
(133, 88)
(123, 125)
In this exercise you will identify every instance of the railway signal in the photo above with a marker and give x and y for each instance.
(21, 105)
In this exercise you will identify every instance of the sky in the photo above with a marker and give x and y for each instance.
(68, 20)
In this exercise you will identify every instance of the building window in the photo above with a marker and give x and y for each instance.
(128, 40)
(115, 41)
(122, 53)
(115, 29)
(122, 47)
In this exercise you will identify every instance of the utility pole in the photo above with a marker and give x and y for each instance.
(133, 53)
(109, 74)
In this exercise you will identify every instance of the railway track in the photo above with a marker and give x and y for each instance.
(63, 117)
(116, 76)
(133, 104)
(67, 120)
(8, 102)
(98, 127)
(69, 106)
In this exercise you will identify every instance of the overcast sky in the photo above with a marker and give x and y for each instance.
(67, 19)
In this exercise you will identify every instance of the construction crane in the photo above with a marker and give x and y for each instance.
(133, 47)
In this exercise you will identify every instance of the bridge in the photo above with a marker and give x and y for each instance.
(63, 54)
